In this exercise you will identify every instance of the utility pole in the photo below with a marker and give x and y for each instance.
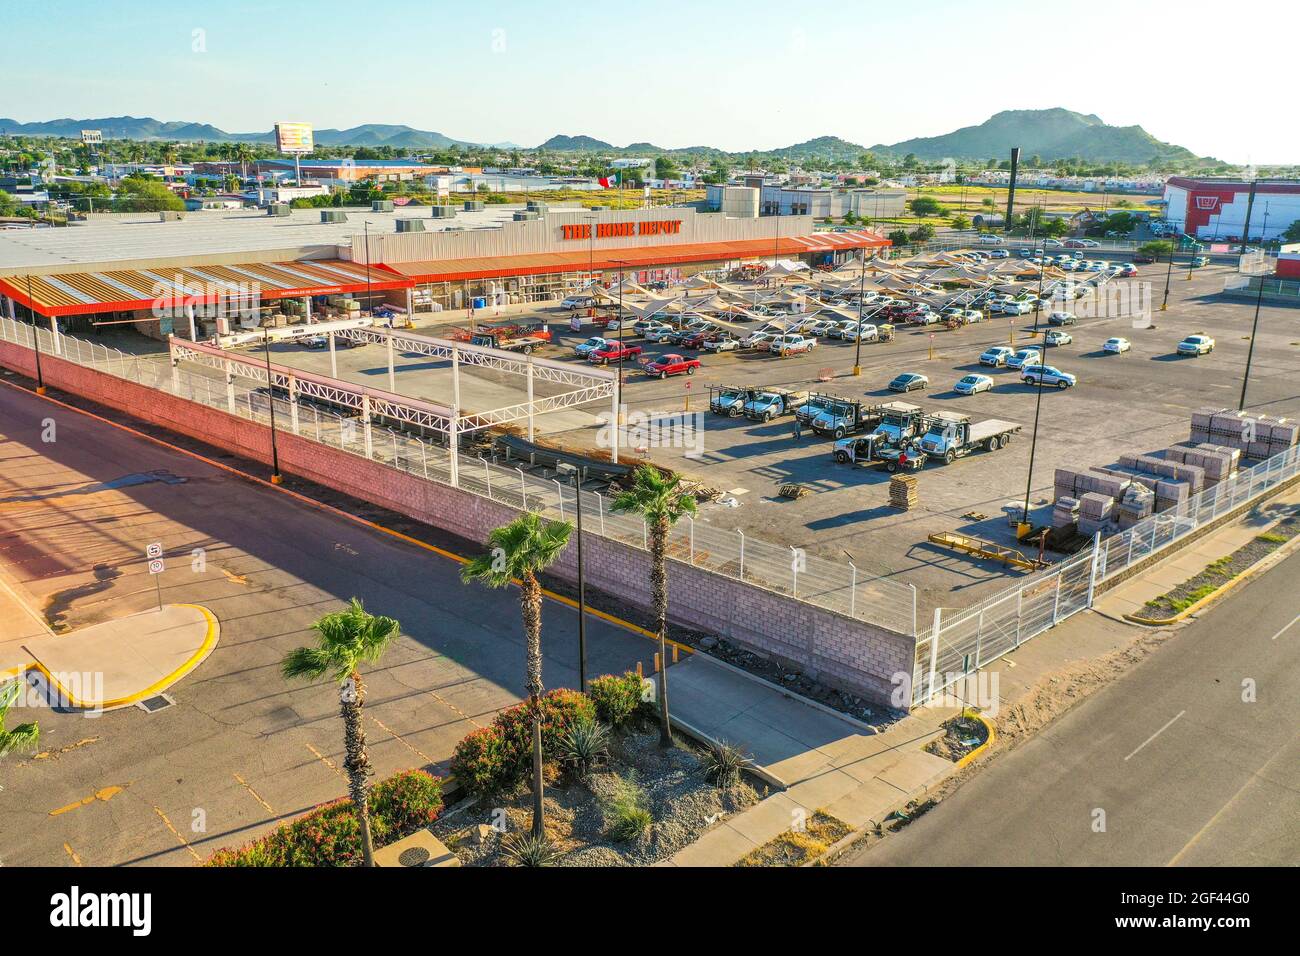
(1254, 328)
(36, 337)
(1025, 525)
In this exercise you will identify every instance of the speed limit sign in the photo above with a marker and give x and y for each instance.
(156, 566)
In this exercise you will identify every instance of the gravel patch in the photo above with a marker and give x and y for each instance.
(683, 804)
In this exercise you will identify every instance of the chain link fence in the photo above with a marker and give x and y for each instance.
(839, 587)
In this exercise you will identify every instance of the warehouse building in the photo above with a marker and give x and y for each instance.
(1216, 208)
(775, 199)
(322, 263)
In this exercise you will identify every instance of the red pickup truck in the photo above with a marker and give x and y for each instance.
(613, 352)
(672, 364)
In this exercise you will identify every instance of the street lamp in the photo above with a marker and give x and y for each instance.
(1254, 328)
(621, 323)
(36, 337)
(565, 468)
(369, 300)
(270, 403)
(1024, 525)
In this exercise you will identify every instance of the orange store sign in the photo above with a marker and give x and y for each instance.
(613, 230)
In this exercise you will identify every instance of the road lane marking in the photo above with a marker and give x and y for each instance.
(51, 754)
(106, 794)
(256, 795)
(176, 833)
(1157, 733)
(1285, 629)
(72, 854)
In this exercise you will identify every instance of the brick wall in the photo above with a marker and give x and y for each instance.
(832, 648)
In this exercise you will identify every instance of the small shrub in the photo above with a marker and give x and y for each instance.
(497, 758)
(723, 764)
(583, 746)
(524, 849)
(616, 698)
(330, 835)
(626, 813)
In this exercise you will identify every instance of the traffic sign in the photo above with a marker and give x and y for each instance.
(153, 550)
(156, 566)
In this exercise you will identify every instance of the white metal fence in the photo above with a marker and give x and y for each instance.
(969, 638)
(837, 586)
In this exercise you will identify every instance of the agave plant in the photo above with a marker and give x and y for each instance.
(723, 763)
(584, 746)
(524, 849)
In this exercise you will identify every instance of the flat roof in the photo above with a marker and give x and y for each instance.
(632, 257)
(87, 293)
(136, 238)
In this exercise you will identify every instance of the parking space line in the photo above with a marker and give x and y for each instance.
(256, 796)
(325, 760)
(72, 854)
(403, 741)
(183, 842)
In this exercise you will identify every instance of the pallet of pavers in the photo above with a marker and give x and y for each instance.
(1139, 502)
(1095, 512)
(1065, 511)
(1194, 475)
(1257, 436)
(1216, 461)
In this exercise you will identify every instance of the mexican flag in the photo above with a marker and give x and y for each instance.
(608, 182)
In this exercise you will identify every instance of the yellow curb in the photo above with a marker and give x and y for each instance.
(357, 519)
(1260, 565)
(204, 649)
(988, 741)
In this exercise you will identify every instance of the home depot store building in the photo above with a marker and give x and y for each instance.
(1216, 208)
(561, 251)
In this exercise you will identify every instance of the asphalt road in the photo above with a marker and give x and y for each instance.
(1186, 772)
(241, 748)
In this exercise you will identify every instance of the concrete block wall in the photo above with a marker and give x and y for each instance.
(833, 648)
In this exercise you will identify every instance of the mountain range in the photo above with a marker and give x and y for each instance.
(1049, 134)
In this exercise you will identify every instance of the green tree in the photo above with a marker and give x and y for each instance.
(1292, 233)
(898, 237)
(24, 736)
(959, 221)
(1157, 249)
(661, 503)
(141, 194)
(344, 641)
(519, 551)
(926, 206)
(922, 233)
(665, 168)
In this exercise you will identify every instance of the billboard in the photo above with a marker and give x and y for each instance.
(92, 136)
(293, 137)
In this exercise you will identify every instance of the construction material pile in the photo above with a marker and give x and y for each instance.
(902, 492)
(1255, 436)
(1094, 512)
(1065, 512)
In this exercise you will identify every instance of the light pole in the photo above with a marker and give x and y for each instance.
(366, 230)
(270, 404)
(621, 323)
(1169, 272)
(1024, 526)
(1254, 328)
(565, 468)
(862, 288)
(36, 337)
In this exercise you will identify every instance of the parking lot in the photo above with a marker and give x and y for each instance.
(1137, 401)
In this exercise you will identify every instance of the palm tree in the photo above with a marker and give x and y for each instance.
(244, 153)
(661, 504)
(517, 552)
(24, 736)
(345, 640)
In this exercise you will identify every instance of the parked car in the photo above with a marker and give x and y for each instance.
(1200, 261)
(908, 381)
(971, 316)
(997, 356)
(613, 352)
(722, 342)
(1057, 337)
(973, 384)
(1048, 375)
(671, 364)
(1196, 345)
(761, 341)
(1128, 269)
(1116, 345)
(696, 340)
(583, 349)
(989, 240)
(1024, 357)
(1062, 318)
(792, 344)
(575, 302)
(868, 333)
(999, 254)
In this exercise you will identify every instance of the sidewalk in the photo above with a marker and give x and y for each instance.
(825, 761)
(1131, 596)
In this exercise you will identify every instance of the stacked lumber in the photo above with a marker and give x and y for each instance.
(902, 492)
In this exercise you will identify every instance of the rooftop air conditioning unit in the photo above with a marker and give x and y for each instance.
(333, 215)
(381, 205)
(278, 209)
(170, 215)
(473, 205)
(410, 225)
(442, 212)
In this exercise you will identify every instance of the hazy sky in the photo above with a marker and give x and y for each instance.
(1209, 76)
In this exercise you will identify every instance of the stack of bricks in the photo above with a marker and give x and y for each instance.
(1138, 502)
(902, 492)
(1074, 484)
(1193, 475)
(1095, 512)
(1255, 436)
(1065, 512)
(1218, 462)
